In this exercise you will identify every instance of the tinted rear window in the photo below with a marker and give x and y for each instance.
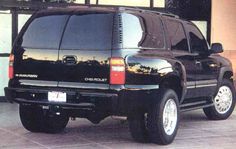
(44, 32)
(88, 31)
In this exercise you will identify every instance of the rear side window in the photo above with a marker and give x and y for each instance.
(154, 35)
(88, 31)
(44, 32)
(132, 31)
(177, 35)
(142, 30)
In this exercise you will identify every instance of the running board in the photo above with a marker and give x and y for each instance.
(188, 106)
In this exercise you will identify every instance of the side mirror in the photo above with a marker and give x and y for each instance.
(216, 48)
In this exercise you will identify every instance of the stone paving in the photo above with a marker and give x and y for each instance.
(195, 132)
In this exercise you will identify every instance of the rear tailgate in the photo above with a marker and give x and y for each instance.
(36, 51)
(85, 51)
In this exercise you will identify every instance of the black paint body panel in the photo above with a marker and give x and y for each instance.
(148, 58)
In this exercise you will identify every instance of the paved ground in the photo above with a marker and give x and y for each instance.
(195, 132)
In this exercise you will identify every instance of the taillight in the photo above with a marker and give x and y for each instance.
(117, 71)
(11, 70)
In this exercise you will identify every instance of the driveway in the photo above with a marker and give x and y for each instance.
(195, 132)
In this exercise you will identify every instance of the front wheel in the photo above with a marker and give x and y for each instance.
(163, 118)
(224, 102)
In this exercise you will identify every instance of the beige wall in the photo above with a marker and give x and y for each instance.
(223, 27)
(224, 23)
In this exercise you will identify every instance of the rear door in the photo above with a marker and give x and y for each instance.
(180, 50)
(36, 51)
(207, 68)
(85, 51)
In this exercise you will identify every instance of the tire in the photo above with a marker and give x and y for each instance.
(138, 128)
(31, 117)
(158, 133)
(34, 119)
(55, 123)
(222, 111)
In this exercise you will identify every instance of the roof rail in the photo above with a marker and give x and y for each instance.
(146, 10)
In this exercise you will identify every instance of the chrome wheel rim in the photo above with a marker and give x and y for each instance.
(170, 117)
(223, 100)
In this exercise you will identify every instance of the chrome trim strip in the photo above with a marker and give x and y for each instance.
(83, 85)
(205, 82)
(190, 83)
(206, 85)
(190, 87)
(141, 87)
(38, 83)
(202, 83)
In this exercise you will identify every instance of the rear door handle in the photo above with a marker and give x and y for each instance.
(70, 60)
(213, 65)
(197, 62)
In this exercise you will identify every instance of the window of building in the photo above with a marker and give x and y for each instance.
(197, 42)
(202, 25)
(88, 31)
(159, 3)
(45, 32)
(93, 1)
(5, 47)
(22, 18)
(5, 32)
(79, 1)
(177, 35)
(141, 3)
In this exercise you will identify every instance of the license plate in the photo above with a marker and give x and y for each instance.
(56, 96)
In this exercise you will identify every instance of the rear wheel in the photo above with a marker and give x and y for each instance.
(55, 122)
(31, 117)
(163, 118)
(224, 102)
(34, 119)
(138, 127)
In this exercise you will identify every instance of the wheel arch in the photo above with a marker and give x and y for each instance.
(225, 73)
(173, 82)
(176, 80)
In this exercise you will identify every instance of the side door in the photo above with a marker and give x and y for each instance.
(180, 49)
(207, 68)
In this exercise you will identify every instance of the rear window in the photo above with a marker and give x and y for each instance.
(44, 32)
(88, 31)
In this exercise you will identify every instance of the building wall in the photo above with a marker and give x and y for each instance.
(5, 47)
(223, 27)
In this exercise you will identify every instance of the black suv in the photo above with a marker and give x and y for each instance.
(94, 62)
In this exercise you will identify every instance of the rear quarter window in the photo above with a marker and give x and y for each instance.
(142, 30)
(44, 32)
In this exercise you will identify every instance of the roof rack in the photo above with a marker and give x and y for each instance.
(151, 11)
